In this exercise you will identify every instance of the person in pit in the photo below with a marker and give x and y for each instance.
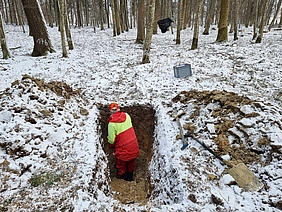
(122, 137)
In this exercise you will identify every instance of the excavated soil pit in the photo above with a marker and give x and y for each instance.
(143, 121)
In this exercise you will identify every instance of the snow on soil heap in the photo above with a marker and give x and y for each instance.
(53, 156)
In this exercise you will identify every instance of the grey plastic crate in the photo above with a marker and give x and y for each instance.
(182, 70)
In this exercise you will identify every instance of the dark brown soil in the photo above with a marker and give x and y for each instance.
(143, 120)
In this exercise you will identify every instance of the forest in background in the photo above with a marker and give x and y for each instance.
(100, 13)
(121, 15)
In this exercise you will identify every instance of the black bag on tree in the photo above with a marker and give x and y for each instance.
(164, 24)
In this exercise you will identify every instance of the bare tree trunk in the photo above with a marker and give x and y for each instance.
(222, 34)
(197, 25)
(169, 13)
(248, 13)
(179, 22)
(184, 16)
(235, 18)
(231, 15)
(280, 22)
(67, 28)
(264, 6)
(49, 12)
(149, 32)
(114, 19)
(275, 15)
(126, 19)
(85, 12)
(79, 14)
(57, 12)
(157, 16)
(140, 22)
(93, 12)
(101, 6)
(190, 13)
(20, 15)
(107, 12)
(117, 17)
(38, 28)
(6, 11)
(5, 49)
(133, 16)
(13, 12)
(209, 17)
(62, 23)
(121, 15)
(268, 15)
(255, 20)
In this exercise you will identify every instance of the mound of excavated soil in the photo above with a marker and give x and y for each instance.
(230, 121)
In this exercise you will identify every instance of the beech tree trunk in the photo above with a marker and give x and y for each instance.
(149, 32)
(255, 21)
(101, 6)
(280, 22)
(222, 34)
(157, 16)
(140, 22)
(117, 17)
(5, 49)
(235, 18)
(197, 25)
(37, 28)
(264, 7)
(62, 29)
(275, 15)
(209, 17)
(179, 22)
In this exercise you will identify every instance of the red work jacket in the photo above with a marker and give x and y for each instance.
(122, 135)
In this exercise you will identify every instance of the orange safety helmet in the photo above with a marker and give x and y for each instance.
(114, 106)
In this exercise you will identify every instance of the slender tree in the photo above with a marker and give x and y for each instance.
(209, 17)
(222, 34)
(101, 3)
(38, 28)
(140, 23)
(197, 25)
(179, 22)
(248, 11)
(62, 30)
(93, 12)
(79, 13)
(235, 18)
(67, 28)
(117, 17)
(157, 16)
(280, 22)
(19, 15)
(149, 32)
(5, 49)
(264, 8)
(121, 15)
(184, 16)
(255, 20)
(275, 15)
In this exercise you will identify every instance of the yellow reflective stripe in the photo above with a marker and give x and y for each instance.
(115, 129)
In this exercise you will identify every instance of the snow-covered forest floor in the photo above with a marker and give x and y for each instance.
(53, 114)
